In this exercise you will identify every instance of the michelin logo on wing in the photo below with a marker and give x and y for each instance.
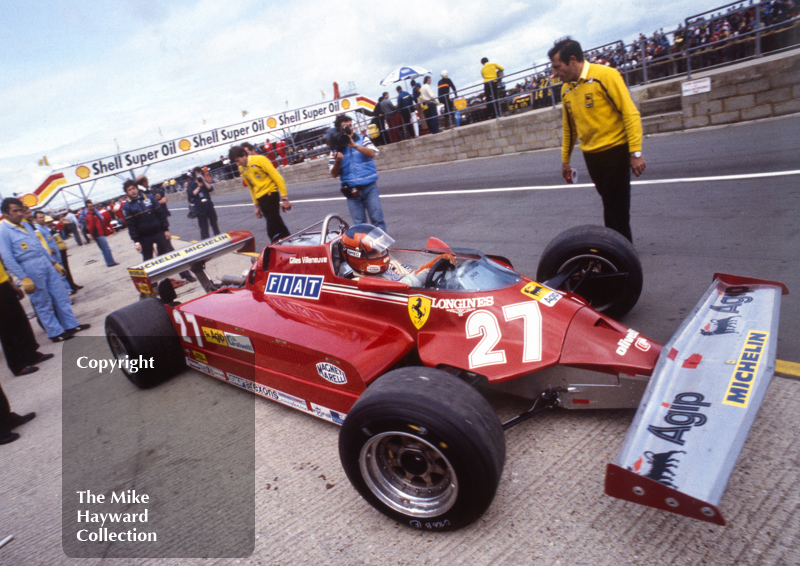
(299, 286)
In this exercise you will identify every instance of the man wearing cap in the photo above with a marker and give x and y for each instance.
(598, 110)
(445, 85)
(62, 251)
(25, 258)
(57, 247)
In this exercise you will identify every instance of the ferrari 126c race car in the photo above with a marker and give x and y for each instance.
(402, 368)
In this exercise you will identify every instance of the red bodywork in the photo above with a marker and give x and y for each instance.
(299, 334)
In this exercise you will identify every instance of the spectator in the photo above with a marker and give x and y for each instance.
(62, 251)
(445, 86)
(388, 111)
(26, 259)
(146, 221)
(599, 111)
(267, 189)
(280, 148)
(491, 73)
(74, 227)
(379, 123)
(200, 195)
(405, 103)
(16, 335)
(98, 230)
(117, 210)
(430, 102)
(144, 186)
(270, 153)
(352, 159)
(415, 88)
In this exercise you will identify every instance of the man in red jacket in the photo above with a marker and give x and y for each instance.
(96, 226)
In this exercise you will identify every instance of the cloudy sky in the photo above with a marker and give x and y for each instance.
(81, 79)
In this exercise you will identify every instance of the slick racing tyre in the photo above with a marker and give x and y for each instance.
(144, 329)
(597, 263)
(424, 448)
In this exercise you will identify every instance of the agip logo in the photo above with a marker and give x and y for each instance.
(419, 308)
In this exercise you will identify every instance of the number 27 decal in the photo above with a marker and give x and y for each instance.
(484, 324)
(193, 321)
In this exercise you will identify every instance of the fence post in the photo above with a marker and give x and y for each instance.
(644, 61)
(758, 29)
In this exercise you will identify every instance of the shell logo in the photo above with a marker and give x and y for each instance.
(185, 145)
(346, 104)
(271, 123)
(82, 172)
(30, 200)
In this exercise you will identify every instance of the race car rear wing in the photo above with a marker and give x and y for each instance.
(701, 402)
(146, 275)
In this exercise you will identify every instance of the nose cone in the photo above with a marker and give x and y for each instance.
(597, 342)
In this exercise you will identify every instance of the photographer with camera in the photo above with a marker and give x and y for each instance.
(352, 159)
(200, 195)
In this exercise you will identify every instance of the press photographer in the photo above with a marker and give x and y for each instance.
(352, 159)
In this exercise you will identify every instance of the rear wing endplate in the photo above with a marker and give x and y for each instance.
(702, 400)
(146, 275)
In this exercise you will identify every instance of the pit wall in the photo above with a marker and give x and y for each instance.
(761, 88)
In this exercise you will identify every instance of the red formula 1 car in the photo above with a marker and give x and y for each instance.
(401, 368)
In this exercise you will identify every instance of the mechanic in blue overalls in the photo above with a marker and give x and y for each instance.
(46, 237)
(26, 259)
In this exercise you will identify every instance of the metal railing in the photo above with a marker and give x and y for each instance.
(730, 33)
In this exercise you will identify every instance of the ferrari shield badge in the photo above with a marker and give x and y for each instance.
(419, 307)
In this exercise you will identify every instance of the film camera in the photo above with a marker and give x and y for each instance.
(338, 140)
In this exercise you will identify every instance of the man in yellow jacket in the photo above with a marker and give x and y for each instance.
(267, 189)
(598, 110)
(491, 73)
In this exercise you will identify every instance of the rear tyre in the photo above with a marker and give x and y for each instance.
(597, 263)
(424, 448)
(144, 329)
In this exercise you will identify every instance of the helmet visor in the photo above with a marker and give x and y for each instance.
(376, 243)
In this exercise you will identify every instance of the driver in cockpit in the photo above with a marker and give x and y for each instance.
(365, 251)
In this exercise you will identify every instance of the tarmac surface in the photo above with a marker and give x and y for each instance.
(550, 507)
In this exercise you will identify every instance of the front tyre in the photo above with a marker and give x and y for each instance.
(597, 263)
(424, 448)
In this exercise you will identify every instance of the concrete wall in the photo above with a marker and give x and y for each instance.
(761, 88)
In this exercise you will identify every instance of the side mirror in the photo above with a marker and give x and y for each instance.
(436, 246)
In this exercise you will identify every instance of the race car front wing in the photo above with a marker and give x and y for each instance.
(701, 402)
